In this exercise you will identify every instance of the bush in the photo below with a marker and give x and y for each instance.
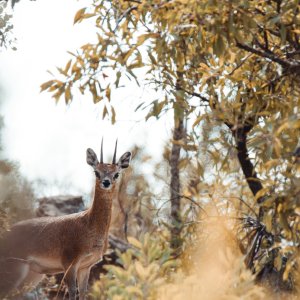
(16, 195)
(142, 270)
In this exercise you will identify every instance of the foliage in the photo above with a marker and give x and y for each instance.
(214, 269)
(135, 209)
(5, 27)
(199, 39)
(16, 193)
(143, 268)
(4, 222)
(232, 67)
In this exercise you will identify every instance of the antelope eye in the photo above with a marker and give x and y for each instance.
(97, 174)
(116, 176)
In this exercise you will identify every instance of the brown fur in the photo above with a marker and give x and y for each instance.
(69, 244)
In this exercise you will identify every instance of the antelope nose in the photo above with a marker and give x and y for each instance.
(106, 183)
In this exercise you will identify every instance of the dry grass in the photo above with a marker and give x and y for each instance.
(216, 269)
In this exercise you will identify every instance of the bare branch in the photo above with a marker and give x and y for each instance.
(125, 13)
(240, 64)
(194, 202)
(135, 1)
(195, 94)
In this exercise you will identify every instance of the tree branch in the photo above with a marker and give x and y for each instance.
(240, 64)
(194, 202)
(135, 1)
(194, 94)
(125, 13)
(292, 67)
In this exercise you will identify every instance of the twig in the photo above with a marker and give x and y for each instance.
(195, 94)
(239, 65)
(245, 204)
(126, 12)
(135, 1)
(194, 202)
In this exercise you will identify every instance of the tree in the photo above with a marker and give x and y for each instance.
(5, 26)
(233, 64)
(13, 2)
(16, 193)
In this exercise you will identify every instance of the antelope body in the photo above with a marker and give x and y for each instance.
(69, 244)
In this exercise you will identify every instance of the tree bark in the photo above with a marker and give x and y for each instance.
(175, 197)
(246, 164)
(240, 134)
(178, 135)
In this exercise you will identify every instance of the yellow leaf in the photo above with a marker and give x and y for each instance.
(287, 271)
(78, 15)
(86, 16)
(46, 85)
(128, 54)
(141, 39)
(105, 112)
(133, 241)
(268, 221)
(198, 120)
(277, 147)
(107, 93)
(61, 71)
(278, 262)
(68, 95)
(141, 271)
(113, 115)
(57, 95)
(135, 290)
(284, 126)
(271, 164)
(97, 99)
(68, 65)
(261, 193)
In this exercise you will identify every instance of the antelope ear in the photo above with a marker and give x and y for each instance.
(91, 158)
(124, 160)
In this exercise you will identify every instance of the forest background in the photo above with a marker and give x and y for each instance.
(223, 197)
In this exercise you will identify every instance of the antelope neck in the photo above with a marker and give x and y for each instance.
(100, 212)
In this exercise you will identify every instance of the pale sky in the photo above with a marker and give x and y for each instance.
(48, 140)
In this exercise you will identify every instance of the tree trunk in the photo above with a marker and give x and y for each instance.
(175, 197)
(178, 135)
(247, 166)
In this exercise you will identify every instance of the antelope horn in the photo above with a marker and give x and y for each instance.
(115, 154)
(101, 152)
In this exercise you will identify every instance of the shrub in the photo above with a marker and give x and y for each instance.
(142, 270)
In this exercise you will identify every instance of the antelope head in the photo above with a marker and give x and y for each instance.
(107, 174)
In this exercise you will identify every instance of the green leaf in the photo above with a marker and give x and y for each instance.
(219, 46)
(283, 34)
(118, 76)
(113, 115)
